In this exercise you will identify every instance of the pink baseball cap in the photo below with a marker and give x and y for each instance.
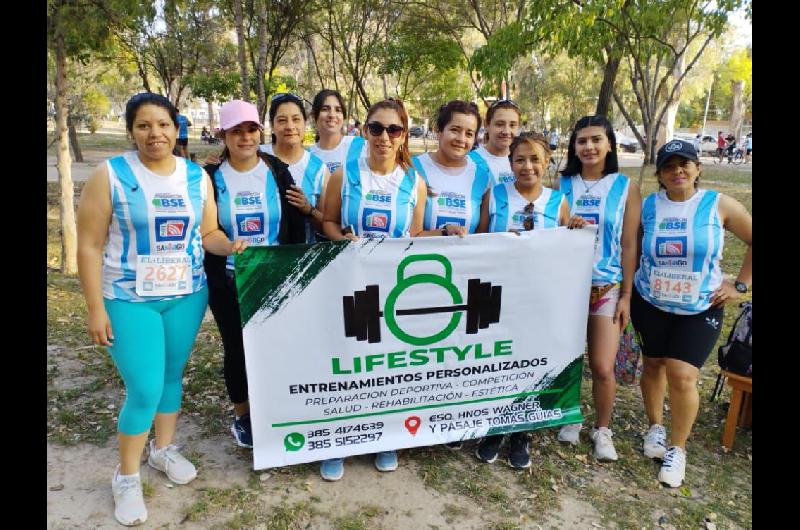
(237, 111)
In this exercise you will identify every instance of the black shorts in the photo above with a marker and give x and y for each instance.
(183, 141)
(688, 338)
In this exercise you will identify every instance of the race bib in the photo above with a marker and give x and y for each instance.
(673, 285)
(164, 275)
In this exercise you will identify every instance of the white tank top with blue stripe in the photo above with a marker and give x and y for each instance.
(249, 205)
(336, 157)
(377, 205)
(311, 174)
(507, 208)
(601, 203)
(457, 192)
(152, 215)
(681, 250)
(500, 166)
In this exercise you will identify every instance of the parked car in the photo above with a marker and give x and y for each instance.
(628, 144)
(416, 132)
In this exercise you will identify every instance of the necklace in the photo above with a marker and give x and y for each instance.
(588, 188)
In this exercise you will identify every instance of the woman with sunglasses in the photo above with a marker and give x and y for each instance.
(598, 194)
(502, 125)
(287, 117)
(378, 195)
(256, 203)
(456, 183)
(329, 114)
(521, 205)
(144, 220)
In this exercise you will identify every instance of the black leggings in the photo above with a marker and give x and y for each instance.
(225, 306)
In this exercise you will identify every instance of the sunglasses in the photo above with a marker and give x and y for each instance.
(376, 129)
(504, 102)
(286, 96)
(527, 224)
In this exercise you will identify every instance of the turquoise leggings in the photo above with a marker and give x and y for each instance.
(152, 342)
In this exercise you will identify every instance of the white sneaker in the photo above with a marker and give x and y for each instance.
(129, 508)
(570, 434)
(655, 442)
(603, 445)
(170, 461)
(673, 468)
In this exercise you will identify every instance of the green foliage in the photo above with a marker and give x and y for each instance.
(214, 86)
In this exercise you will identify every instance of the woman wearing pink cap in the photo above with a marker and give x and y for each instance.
(259, 203)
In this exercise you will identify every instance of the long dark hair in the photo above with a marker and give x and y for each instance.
(319, 100)
(574, 165)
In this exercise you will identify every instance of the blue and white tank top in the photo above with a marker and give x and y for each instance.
(311, 174)
(507, 208)
(152, 215)
(602, 203)
(377, 205)
(500, 166)
(249, 205)
(681, 250)
(336, 157)
(457, 192)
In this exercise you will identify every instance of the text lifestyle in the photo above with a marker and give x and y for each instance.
(419, 357)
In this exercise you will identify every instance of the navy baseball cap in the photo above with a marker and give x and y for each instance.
(677, 147)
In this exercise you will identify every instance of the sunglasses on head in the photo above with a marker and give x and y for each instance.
(286, 96)
(504, 102)
(376, 129)
(527, 224)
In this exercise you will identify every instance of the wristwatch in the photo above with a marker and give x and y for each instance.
(740, 286)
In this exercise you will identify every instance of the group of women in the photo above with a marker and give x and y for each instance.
(146, 217)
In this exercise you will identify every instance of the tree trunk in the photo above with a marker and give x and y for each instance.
(69, 235)
(262, 60)
(211, 121)
(737, 112)
(73, 140)
(609, 76)
(237, 14)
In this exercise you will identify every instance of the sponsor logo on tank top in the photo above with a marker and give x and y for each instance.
(333, 166)
(673, 224)
(506, 178)
(169, 202)
(379, 196)
(171, 228)
(251, 226)
(670, 250)
(452, 202)
(247, 200)
(377, 220)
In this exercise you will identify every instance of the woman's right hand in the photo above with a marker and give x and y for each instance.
(212, 159)
(99, 327)
(576, 221)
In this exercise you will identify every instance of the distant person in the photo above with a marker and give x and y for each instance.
(183, 135)
(696, 143)
(205, 135)
(354, 130)
(502, 125)
(720, 146)
(748, 147)
(552, 140)
(329, 112)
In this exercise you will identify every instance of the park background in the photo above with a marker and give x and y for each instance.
(658, 69)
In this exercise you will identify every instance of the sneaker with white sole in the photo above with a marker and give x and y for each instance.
(655, 441)
(332, 469)
(386, 461)
(129, 508)
(603, 444)
(489, 448)
(673, 467)
(519, 451)
(570, 434)
(242, 431)
(170, 461)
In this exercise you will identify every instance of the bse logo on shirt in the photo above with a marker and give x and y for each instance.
(250, 224)
(169, 202)
(171, 228)
(376, 220)
(588, 202)
(379, 196)
(247, 200)
(671, 247)
(451, 201)
(673, 224)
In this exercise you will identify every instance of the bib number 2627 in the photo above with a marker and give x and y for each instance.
(163, 275)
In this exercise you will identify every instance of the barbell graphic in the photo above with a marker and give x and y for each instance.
(362, 312)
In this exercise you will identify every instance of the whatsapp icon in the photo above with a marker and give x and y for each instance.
(294, 441)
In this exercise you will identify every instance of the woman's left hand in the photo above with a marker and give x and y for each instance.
(455, 230)
(238, 246)
(725, 293)
(623, 312)
(298, 199)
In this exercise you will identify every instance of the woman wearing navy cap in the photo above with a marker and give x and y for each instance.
(679, 295)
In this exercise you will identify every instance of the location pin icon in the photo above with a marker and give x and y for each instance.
(412, 423)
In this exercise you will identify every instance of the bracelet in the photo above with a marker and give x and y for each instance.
(202, 236)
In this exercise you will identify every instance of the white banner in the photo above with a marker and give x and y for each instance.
(356, 348)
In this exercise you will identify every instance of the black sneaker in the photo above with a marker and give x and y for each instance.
(489, 448)
(242, 431)
(519, 451)
(455, 446)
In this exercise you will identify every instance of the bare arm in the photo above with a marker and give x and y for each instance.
(630, 233)
(739, 222)
(94, 218)
(483, 223)
(332, 212)
(563, 213)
